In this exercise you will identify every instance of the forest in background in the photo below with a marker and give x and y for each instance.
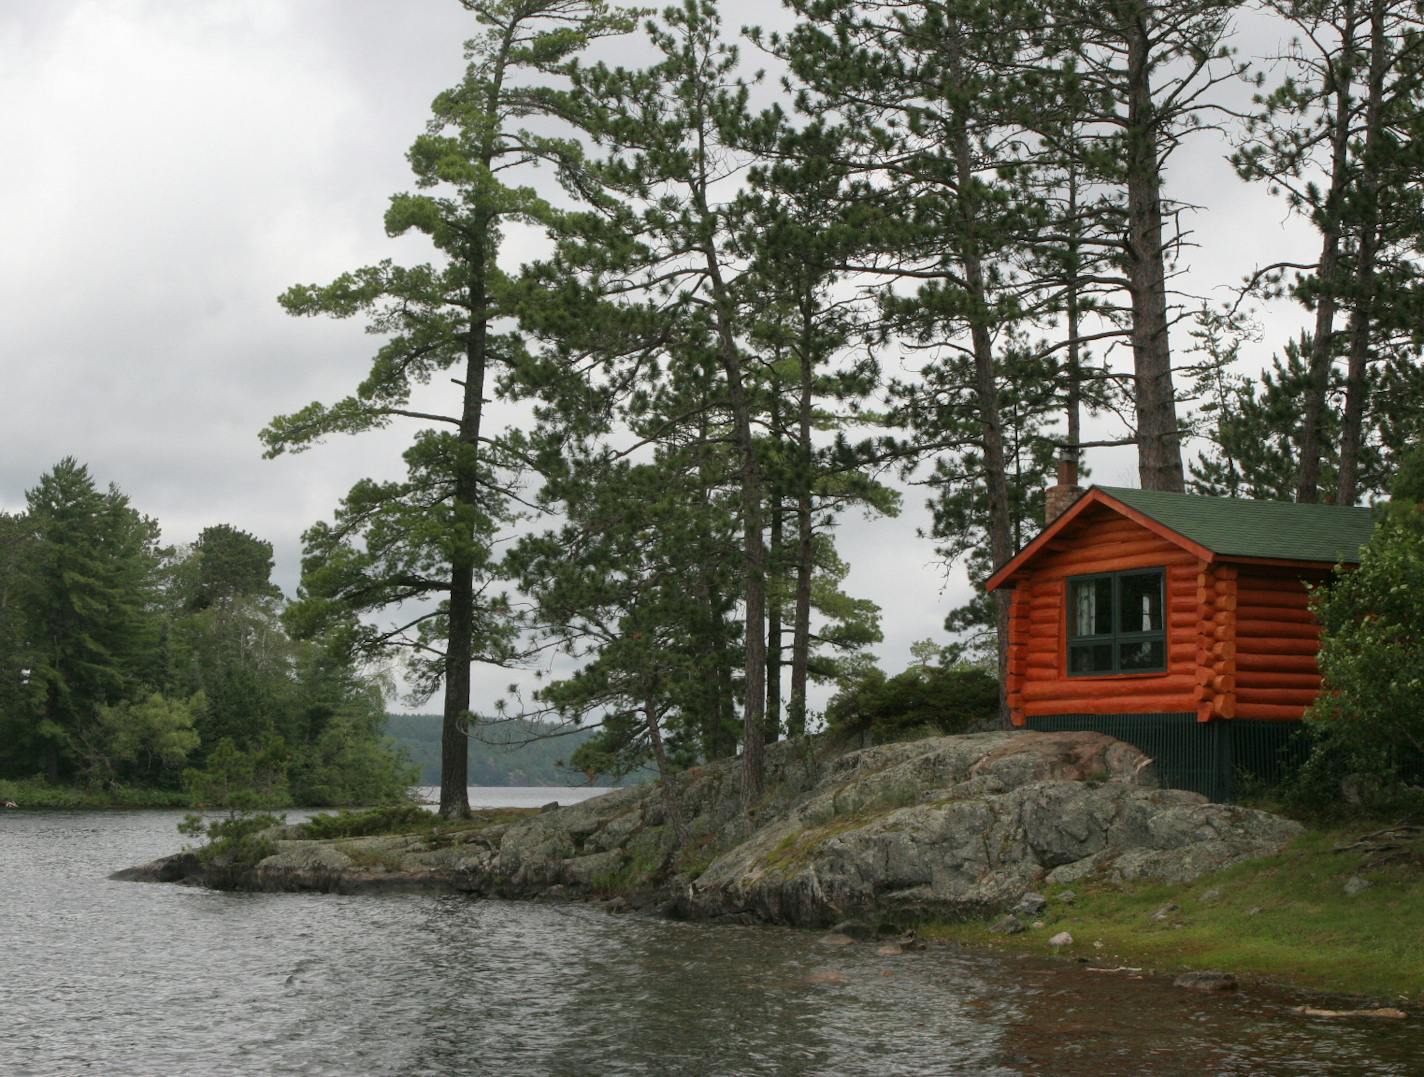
(949, 250)
(149, 673)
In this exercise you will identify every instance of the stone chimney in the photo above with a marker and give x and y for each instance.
(1056, 499)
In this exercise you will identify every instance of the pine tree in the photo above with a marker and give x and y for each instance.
(660, 251)
(1137, 78)
(1338, 137)
(611, 589)
(89, 605)
(799, 220)
(935, 101)
(430, 537)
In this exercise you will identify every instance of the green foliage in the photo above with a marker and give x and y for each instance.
(349, 764)
(1255, 433)
(405, 815)
(146, 741)
(87, 599)
(924, 698)
(133, 669)
(1368, 722)
(432, 538)
(225, 564)
(38, 794)
(239, 839)
(240, 778)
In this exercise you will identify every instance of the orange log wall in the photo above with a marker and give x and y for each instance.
(1277, 639)
(1099, 541)
(1241, 641)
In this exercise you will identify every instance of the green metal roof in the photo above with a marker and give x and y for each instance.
(1234, 527)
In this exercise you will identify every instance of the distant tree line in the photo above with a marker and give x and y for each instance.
(513, 753)
(951, 241)
(128, 664)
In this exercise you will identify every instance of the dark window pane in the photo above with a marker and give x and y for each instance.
(1090, 658)
(1090, 613)
(1140, 603)
(1148, 654)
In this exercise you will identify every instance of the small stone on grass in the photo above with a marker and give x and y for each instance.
(1031, 904)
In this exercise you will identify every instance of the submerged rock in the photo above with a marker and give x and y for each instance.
(1206, 981)
(946, 827)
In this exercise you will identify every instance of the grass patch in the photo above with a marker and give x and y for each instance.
(35, 794)
(404, 818)
(1284, 918)
(388, 819)
(385, 859)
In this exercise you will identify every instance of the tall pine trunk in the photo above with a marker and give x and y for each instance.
(1357, 373)
(986, 390)
(773, 623)
(753, 544)
(1159, 449)
(459, 647)
(1074, 394)
(801, 626)
(1322, 345)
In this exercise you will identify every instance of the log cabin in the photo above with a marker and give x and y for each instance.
(1176, 622)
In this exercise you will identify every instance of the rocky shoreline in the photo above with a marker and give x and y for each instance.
(942, 828)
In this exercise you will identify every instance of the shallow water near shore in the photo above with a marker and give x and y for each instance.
(110, 977)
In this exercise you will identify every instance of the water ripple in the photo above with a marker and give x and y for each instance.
(119, 978)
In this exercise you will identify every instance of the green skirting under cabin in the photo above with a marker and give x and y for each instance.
(1221, 760)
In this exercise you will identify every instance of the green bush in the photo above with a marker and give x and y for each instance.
(1368, 723)
(237, 839)
(358, 824)
(347, 765)
(240, 778)
(924, 698)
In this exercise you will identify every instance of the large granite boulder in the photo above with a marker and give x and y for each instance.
(943, 827)
(993, 815)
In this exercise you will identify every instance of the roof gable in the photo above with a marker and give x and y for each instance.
(1221, 527)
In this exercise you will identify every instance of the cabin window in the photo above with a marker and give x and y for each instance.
(1115, 623)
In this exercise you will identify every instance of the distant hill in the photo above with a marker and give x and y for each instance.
(537, 762)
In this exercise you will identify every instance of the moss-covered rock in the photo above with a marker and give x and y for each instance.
(943, 827)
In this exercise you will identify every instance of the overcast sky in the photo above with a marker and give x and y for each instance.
(170, 166)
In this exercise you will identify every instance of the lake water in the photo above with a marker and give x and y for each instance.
(127, 978)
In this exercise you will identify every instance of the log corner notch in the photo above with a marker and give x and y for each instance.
(1216, 641)
(1240, 638)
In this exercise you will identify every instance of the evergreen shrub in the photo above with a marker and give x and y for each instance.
(922, 699)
